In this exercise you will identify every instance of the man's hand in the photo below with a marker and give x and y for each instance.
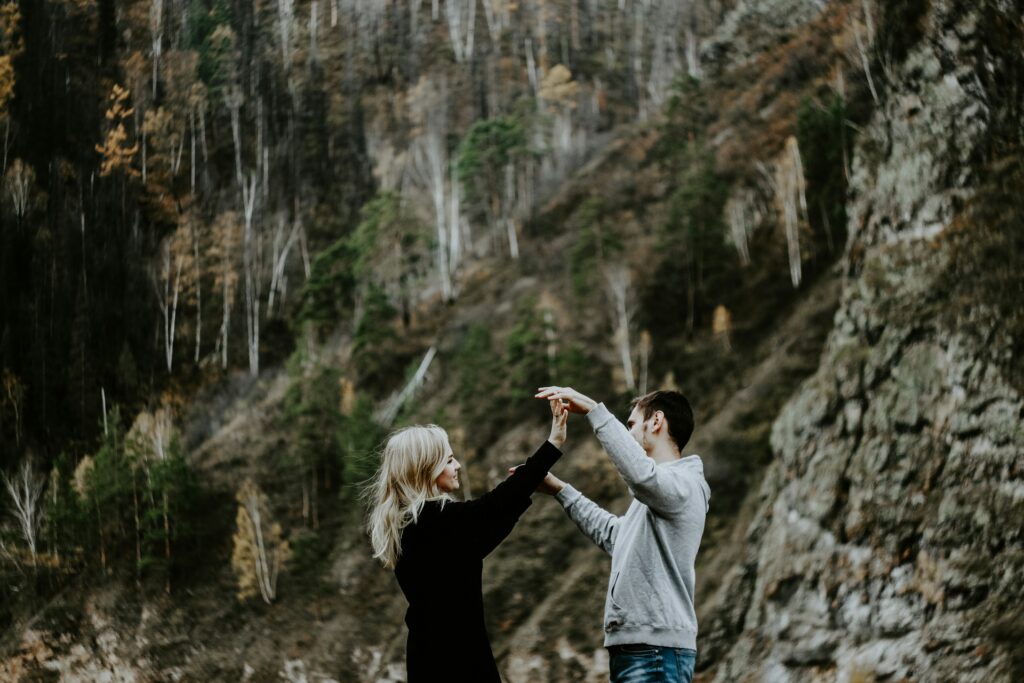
(551, 484)
(559, 417)
(574, 400)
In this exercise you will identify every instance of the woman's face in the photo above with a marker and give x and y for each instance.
(449, 479)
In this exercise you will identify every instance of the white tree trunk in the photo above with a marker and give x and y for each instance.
(865, 62)
(312, 30)
(199, 290)
(233, 98)
(387, 414)
(285, 20)
(250, 266)
(192, 151)
(429, 167)
(531, 68)
(507, 206)
(156, 29)
(790, 188)
(25, 489)
(224, 324)
(282, 247)
(454, 222)
(169, 304)
(740, 225)
(618, 288)
(493, 28)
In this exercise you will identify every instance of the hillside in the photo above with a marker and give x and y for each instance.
(807, 225)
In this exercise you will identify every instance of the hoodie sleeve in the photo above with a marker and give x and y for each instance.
(664, 490)
(599, 525)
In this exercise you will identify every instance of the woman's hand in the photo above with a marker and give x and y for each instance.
(551, 484)
(559, 418)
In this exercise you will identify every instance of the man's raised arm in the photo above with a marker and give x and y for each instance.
(661, 490)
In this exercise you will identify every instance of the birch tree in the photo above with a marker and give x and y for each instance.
(224, 257)
(25, 489)
(260, 549)
(741, 216)
(790, 194)
(389, 411)
(18, 182)
(252, 269)
(286, 37)
(429, 168)
(620, 297)
(461, 18)
(156, 31)
(153, 436)
(645, 361)
(286, 236)
(176, 273)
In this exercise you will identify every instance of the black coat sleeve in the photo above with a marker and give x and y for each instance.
(491, 517)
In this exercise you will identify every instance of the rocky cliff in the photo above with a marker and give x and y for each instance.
(887, 541)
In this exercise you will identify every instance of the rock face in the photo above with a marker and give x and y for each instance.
(888, 542)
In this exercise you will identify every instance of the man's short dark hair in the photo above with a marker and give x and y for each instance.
(676, 409)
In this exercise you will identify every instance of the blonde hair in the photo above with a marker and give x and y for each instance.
(413, 459)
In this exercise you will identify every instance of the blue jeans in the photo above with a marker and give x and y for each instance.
(651, 664)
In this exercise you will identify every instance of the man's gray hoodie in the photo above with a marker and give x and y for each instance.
(653, 546)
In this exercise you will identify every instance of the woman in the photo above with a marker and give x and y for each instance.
(436, 545)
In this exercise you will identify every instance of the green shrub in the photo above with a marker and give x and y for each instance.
(328, 293)
(374, 353)
(596, 242)
(695, 262)
(825, 146)
(360, 437)
(487, 148)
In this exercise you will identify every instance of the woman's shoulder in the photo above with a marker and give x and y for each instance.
(439, 511)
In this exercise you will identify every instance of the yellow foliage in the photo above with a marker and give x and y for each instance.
(227, 239)
(722, 322)
(162, 138)
(11, 43)
(117, 155)
(558, 86)
(81, 477)
(260, 549)
(721, 325)
(6, 82)
(13, 397)
(348, 396)
(136, 70)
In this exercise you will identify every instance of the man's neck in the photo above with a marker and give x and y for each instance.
(663, 453)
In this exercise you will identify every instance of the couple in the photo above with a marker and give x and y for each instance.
(436, 545)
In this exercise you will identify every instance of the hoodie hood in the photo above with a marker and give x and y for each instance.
(693, 464)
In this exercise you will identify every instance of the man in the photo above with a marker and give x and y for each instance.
(649, 620)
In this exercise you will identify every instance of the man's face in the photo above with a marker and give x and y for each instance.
(640, 429)
(448, 480)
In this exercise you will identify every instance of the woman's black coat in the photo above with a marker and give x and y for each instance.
(440, 569)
